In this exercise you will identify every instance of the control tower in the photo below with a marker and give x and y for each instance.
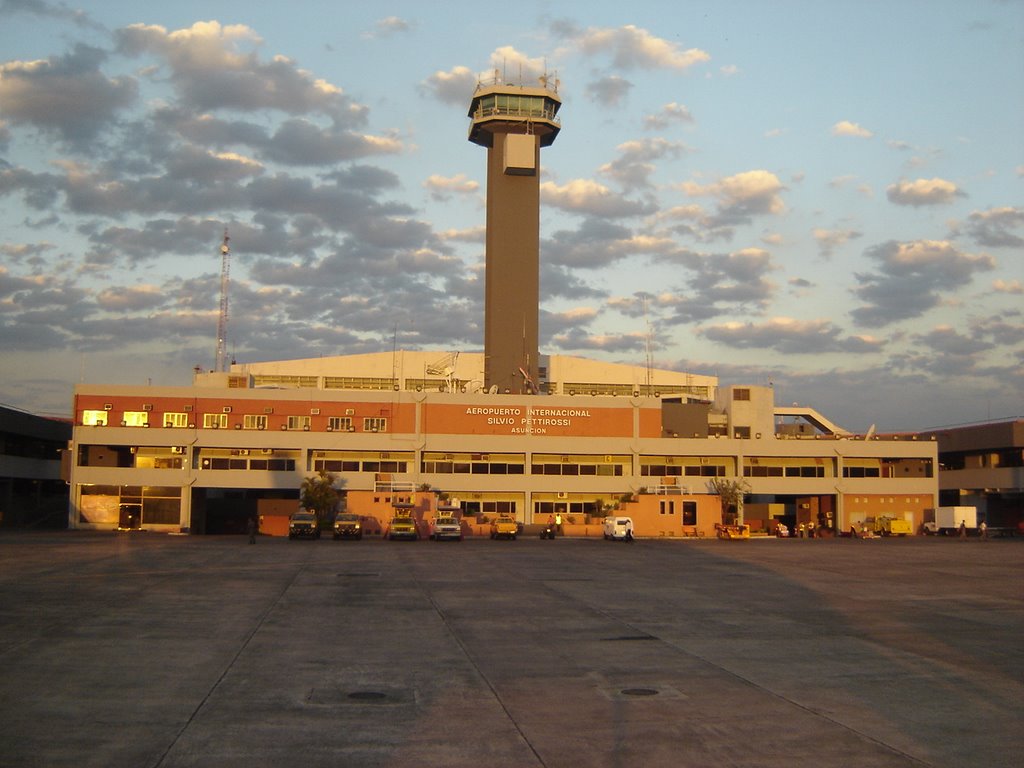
(513, 122)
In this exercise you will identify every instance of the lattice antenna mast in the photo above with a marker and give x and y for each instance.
(222, 319)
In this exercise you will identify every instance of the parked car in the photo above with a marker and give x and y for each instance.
(303, 524)
(403, 527)
(616, 527)
(446, 528)
(504, 526)
(347, 526)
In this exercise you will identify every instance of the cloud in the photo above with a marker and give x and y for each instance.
(639, 159)
(717, 283)
(911, 277)
(455, 86)
(134, 298)
(210, 71)
(68, 95)
(1013, 287)
(923, 192)
(993, 228)
(442, 188)
(669, 114)
(587, 197)
(741, 197)
(580, 340)
(611, 90)
(598, 243)
(846, 128)
(789, 336)
(631, 47)
(830, 239)
(392, 25)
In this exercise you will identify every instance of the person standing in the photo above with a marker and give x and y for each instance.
(984, 530)
(250, 527)
(558, 523)
(963, 529)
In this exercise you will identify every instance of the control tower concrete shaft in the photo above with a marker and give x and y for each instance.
(513, 122)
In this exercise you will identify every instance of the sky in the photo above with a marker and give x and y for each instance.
(827, 198)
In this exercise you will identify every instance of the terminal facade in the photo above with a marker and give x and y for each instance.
(203, 458)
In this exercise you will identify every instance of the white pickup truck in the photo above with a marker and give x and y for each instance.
(618, 528)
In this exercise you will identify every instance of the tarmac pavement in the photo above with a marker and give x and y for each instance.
(149, 650)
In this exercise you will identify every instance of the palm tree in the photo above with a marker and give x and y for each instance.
(319, 495)
(731, 493)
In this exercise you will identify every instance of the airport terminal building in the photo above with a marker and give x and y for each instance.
(505, 430)
(409, 426)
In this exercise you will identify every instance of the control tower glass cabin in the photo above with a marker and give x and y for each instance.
(513, 122)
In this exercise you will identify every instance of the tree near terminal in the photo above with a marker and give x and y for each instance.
(731, 493)
(319, 495)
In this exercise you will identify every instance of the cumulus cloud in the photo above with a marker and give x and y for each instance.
(1014, 287)
(631, 47)
(994, 228)
(392, 25)
(670, 113)
(789, 336)
(911, 279)
(68, 95)
(211, 69)
(639, 159)
(830, 239)
(923, 192)
(590, 198)
(443, 187)
(455, 86)
(846, 128)
(610, 90)
(741, 197)
(717, 283)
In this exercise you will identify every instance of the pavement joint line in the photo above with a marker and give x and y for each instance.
(756, 686)
(220, 679)
(465, 652)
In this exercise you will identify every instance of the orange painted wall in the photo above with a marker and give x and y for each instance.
(569, 421)
(401, 416)
(645, 510)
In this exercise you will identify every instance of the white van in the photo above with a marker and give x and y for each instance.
(618, 528)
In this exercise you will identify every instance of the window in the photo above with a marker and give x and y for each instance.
(215, 421)
(253, 421)
(375, 424)
(339, 424)
(176, 420)
(741, 393)
(135, 419)
(298, 422)
(94, 418)
(668, 507)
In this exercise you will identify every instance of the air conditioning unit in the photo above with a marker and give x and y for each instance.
(179, 449)
(267, 451)
(562, 495)
(187, 408)
(314, 411)
(350, 411)
(108, 406)
(268, 410)
(147, 406)
(226, 409)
